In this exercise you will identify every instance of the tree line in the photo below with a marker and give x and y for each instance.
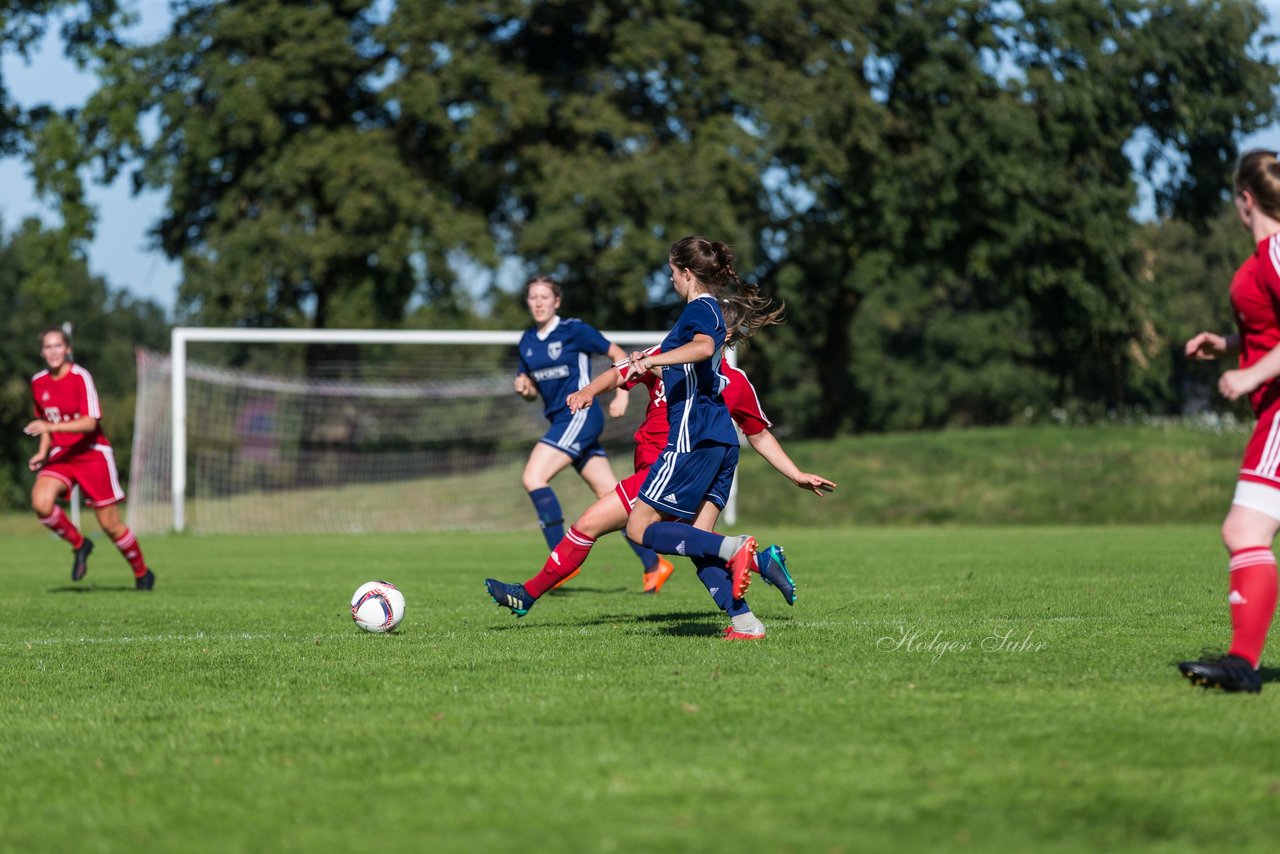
(942, 192)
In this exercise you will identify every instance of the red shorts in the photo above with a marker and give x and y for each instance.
(94, 471)
(628, 489)
(646, 456)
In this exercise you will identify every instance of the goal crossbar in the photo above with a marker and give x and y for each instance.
(183, 335)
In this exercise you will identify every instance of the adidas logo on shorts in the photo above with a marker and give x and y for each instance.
(670, 498)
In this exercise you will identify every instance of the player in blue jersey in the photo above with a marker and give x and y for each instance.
(691, 480)
(555, 361)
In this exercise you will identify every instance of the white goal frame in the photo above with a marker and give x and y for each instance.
(182, 335)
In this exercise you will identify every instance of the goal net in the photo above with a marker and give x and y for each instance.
(406, 432)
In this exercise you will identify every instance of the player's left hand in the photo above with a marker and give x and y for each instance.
(817, 484)
(1236, 384)
(37, 428)
(36, 462)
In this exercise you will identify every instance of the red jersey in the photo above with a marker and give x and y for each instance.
(66, 399)
(651, 435)
(743, 402)
(739, 397)
(1255, 300)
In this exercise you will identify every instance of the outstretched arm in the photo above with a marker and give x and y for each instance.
(618, 406)
(767, 446)
(701, 348)
(608, 379)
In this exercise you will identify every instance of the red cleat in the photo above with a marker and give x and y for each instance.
(740, 567)
(653, 581)
(730, 633)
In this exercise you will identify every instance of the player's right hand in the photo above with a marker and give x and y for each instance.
(525, 387)
(579, 400)
(1206, 346)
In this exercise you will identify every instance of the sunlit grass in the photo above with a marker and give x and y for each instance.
(1002, 689)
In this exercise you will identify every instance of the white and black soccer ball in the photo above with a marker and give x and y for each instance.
(378, 606)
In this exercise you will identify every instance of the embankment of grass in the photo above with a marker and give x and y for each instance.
(1095, 475)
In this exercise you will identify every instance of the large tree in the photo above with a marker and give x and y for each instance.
(288, 200)
(942, 191)
(969, 206)
(34, 130)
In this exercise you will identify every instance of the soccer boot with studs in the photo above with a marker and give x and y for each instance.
(1230, 673)
(80, 563)
(772, 566)
(654, 580)
(740, 566)
(510, 596)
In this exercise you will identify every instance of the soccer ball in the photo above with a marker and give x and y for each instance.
(378, 606)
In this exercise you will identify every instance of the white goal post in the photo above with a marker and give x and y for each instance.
(183, 335)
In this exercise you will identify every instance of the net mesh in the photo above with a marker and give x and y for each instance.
(362, 446)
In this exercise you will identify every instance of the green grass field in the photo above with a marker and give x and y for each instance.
(976, 688)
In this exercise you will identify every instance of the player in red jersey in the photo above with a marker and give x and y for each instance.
(75, 452)
(1254, 518)
(611, 513)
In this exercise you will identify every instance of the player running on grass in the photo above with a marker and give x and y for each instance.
(1254, 518)
(611, 512)
(74, 451)
(554, 357)
(714, 261)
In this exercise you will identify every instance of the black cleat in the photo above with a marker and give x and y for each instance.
(511, 596)
(146, 582)
(1230, 673)
(80, 563)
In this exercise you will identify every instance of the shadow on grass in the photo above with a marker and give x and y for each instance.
(576, 589)
(95, 588)
(677, 624)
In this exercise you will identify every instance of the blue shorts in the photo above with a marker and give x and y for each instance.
(577, 435)
(678, 483)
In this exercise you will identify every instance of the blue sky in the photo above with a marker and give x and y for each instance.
(120, 251)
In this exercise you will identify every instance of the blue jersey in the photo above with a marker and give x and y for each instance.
(559, 361)
(696, 413)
